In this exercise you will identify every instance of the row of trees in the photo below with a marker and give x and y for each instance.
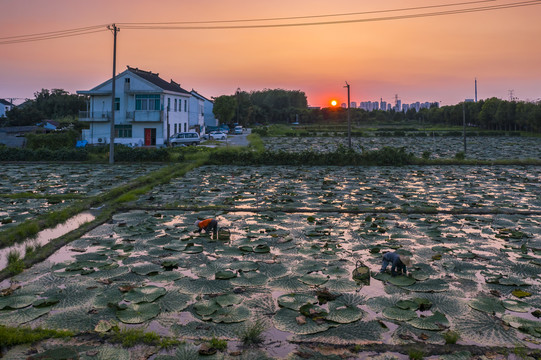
(283, 106)
(266, 106)
(55, 104)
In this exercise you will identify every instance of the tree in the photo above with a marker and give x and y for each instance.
(224, 108)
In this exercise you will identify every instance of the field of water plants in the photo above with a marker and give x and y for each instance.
(33, 189)
(484, 148)
(280, 277)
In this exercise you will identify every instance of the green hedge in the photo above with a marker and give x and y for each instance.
(43, 154)
(52, 141)
(341, 157)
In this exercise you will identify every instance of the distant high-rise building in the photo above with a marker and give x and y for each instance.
(344, 105)
(353, 104)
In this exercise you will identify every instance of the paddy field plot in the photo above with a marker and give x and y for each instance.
(474, 273)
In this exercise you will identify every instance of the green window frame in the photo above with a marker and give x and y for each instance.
(117, 104)
(123, 131)
(147, 102)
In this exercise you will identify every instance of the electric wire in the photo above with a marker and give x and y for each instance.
(308, 16)
(241, 24)
(349, 21)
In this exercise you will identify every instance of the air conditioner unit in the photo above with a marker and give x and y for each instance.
(100, 140)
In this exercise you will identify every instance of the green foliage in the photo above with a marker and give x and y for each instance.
(129, 337)
(252, 333)
(416, 354)
(460, 155)
(43, 154)
(451, 337)
(52, 141)
(218, 344)
(15, 263)
(127, 154)
(11, 336)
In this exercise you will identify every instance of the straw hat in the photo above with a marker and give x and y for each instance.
(197, 222)
(406, 260)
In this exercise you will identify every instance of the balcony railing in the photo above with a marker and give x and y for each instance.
(95, 116)
(144, 116)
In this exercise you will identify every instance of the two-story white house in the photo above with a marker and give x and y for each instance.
(148, 109)
(5, 106)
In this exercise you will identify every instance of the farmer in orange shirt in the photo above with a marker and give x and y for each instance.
(208, 225)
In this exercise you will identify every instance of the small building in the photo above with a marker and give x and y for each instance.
(5, 106)
(205, 108)
(148, 109)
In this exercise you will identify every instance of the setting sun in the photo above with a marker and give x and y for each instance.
(334, 102)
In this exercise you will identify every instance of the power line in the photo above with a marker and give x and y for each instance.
(171, 25)
(362, 20)
(308, 16)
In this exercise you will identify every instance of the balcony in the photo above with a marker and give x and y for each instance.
(95, 116)
(145, 116)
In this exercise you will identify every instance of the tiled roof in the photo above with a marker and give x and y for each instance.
(5, 102)
(158, 81)
(195, 93)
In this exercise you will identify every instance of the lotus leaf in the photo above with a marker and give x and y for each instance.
(206, 308)
(341, 285)
(175, 247)
(199, 330)
(516, 305)
(109, 352)
(103, 326)
(144, 294)
(459, 355)
(289, 284)
(21, 316)
(295, 301)
(357, 332)
(488, 305)
(168, 276)
(45, 302)
(273, 271)
(228, 299)
(203, 286)
(230, 314)
(531, 327)
(225, 275)
(138, 313)
(407, 305)
(286, 320)
(244, 266)
(436, 322)
(402, 280)
(174, 301)
(484, 329)
(432, 285)
(312, 311)
(381, 276)
(314, 279)
(192, 248)
(147, 269)
(395, 313)
(343, 314)
(520, 293)
(250, 279)
(16, 301)
(261, 248)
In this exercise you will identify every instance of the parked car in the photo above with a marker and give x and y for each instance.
(238, 130)
(217, 135)
(185, 138)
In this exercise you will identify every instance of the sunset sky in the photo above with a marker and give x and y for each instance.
(427, 58)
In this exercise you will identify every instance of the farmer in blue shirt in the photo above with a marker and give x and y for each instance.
(398, 263)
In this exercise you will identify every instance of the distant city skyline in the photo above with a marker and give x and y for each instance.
(215, 47)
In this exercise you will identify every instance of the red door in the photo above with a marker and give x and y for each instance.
(148, 137)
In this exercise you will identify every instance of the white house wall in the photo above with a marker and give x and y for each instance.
(99, 132)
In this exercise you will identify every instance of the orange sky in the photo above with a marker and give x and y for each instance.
(422, 59)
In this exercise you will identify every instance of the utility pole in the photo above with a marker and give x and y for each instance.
(115, 30)
(349, 118)
(464, 124)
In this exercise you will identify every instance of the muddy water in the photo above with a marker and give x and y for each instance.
(43, 237)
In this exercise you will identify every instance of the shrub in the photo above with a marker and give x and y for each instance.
(415, 354)
(52, 141)
(252, 334)
(460, 155)
(426, 154)
(451, 337)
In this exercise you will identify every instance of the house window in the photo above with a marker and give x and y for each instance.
(201, 110)
(175, 128)
(185, 123)
(175, 105)
(117, 104)
(185, 105)
(147, 102)
(168, 104)
(123, 131)
(127, 80)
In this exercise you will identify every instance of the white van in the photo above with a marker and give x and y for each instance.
(185, 138)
